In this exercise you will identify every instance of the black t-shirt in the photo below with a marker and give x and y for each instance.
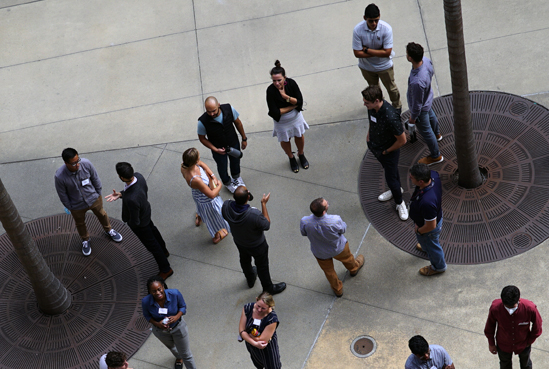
(384, 126)
(426, 204)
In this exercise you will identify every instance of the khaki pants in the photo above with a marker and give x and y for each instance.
(80, 218)
(327, 265)
(388, 78)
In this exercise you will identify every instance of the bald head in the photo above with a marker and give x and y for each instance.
(212, 106)
(241, 195)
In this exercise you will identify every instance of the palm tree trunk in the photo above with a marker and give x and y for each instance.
(469, 173)
(53, 298)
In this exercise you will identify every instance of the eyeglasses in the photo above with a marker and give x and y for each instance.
(75, 164)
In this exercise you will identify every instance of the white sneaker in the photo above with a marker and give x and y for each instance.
(239, 181)
(86, 249)
(402, 211)
(387, 195)
(232, 186)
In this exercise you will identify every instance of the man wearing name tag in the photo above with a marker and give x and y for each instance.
(518, 326)
(79, 188)
(385, 138)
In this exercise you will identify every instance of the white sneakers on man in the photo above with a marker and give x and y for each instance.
(387, 195)
(402, 211)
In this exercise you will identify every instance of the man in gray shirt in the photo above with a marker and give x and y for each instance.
(79, 188)
(420, 101)
(373, 46)
(427, 356)
(325, 233)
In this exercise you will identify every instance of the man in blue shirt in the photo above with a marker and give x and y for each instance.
(426, 212)
(216, 131)
(420, 101)
(325, 233)
(427, 356)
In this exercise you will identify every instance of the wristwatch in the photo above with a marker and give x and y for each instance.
(245, 139)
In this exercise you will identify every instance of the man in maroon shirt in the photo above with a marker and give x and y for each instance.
(513, 316)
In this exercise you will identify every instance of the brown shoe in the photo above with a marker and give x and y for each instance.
(166, 275)
(428, 271)
(439, 137)
(360, 260)
(418, 246)
(429, 160)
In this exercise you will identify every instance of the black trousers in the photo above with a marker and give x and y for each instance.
(261, 257)
(506, 359)
(152, 239)
(392, 177)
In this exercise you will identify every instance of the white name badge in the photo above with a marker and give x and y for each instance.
(257, 322)
(85, 182)
(162, 311)
(373, 119)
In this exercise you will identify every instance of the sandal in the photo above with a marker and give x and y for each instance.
(303, 161)
(221, 234)
(293, 164)
(197, 220)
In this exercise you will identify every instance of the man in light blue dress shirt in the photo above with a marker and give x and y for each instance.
(325, 233)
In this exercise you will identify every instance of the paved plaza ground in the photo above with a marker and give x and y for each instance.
(125, 81)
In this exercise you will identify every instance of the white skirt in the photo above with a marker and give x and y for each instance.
(291, 124)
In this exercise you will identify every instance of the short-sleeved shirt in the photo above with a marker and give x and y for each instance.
(426, 203)
(438, 359)
(384, 126)
(378, 39)
(325, 234)
(266, 321)
(174, 303)
(201, 130)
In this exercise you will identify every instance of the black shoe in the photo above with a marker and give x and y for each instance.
(293, 164)
(277, 288)
(251, 281)
(303, 161)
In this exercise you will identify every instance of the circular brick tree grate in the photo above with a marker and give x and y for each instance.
(106, 289)
(508, 214)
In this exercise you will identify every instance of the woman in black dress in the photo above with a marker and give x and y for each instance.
(285, 105)
(258, 323)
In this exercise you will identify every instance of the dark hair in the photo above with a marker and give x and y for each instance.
(278, 69)
(190, 158)
(418, 345)
(153, 279)
(371, 11)
(372, 93)
(124, 170)
(68, 154)
(241, 195)
(510, 295)
(421, 172)
(415, 51)
(317, 207)
(115, 359)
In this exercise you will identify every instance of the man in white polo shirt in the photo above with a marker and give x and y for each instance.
(373, 46)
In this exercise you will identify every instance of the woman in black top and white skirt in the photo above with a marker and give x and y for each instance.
(285, 105)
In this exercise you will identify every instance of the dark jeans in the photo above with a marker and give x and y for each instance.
(392, 177)
(221, 160)
(261, 256)
(506, 359)
(153, 241)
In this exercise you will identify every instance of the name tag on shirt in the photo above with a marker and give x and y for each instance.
(85, 182)
(373, 119)
(257, 322)
(162, 311)
(524, 323)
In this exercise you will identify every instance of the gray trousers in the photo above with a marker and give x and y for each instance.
(177, 340)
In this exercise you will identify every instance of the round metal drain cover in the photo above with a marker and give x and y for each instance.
(505, 216)
(106, 289)
(363, 346)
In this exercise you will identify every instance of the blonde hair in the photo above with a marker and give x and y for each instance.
(267, 298)
(190, 158)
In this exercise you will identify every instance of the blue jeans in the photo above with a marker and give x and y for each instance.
(430, 244)
(221, 160)
(427, 125)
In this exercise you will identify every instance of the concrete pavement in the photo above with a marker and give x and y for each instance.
(126, 80)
